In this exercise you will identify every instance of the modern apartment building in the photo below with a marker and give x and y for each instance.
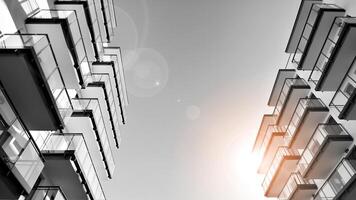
(62, 99)
(307, 144)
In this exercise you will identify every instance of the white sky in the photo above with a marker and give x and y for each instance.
(189, 136)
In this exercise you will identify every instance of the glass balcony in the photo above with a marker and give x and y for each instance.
(283, 164)
(342, 102)
(72, 35)
(324, 150)
(90, 104)
(106, 12)
(314, 34)
(120, 83)
(47, 101)
(271, 141)
(92, 22)
(298, 27)
(339, 185)
(48, 193)
(80, 162)
(306, 117)
(266, 121)
(292, 90)
(282, 75)
(103, 80)
(18, 150)
(298, 188)
(29, 6)
(333, 61)
(114, 54)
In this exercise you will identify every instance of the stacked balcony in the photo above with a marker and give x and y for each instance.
(340, 184)
(271, 141)
(283, 164)
(337, 55)
(282, 75)
(299, 23)
(21, 162)
(306, 117)
(293, 89)
(112, 58)
(103, 80)
(325, 148)
(41, 99)
(90, 107)
(297, 188)
(70, 166)
(314, 34)
(343, 100)
(91, 21)
(266, 121)
(62, 28)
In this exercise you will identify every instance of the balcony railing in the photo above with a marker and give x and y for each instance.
(18, 149)
(308, 30)
(294, 180)
(110, 100)
(328, 48)
(73, 36)
(60, 143)
(85, 104)
(345, 90)
(336, 182)
(299, 112)
(119, 81)
(47, 60)
(322, 132)
(288, 83)
(277, 160)
(93, 24)
(48, 192)
(268, 136)
(29, 6)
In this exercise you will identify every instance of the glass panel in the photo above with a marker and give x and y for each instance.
(294, 180)
(303, 104)
(345, 90)
(336, 181)
(67, 141)
(278, 158)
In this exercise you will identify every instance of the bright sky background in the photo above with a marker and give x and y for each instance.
(199, 74)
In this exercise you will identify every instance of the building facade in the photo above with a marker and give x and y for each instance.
(307, 144)
(62, 99)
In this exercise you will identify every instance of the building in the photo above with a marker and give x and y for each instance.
(307, 144)
(62, 99)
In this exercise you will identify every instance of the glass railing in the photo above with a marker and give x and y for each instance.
(21, 155)
(75, 142)
(112, 11)
(47, 60)
(120, 84)
(93, 104)
(277, 160)
(288, 83)
(294, 123)
(48, 193)
(328, 47)
(75, 43)
(336, 181)
(111, 103)
(319, 136)
(345, 90)
(294, 180)
(269, 133)
(29, 6)
(307, 30)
